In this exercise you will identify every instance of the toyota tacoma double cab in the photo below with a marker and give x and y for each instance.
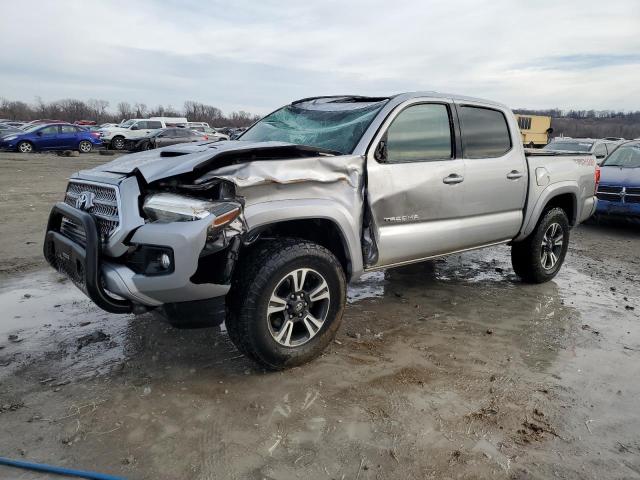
(265, 232)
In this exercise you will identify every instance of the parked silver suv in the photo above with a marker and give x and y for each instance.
(266, 231)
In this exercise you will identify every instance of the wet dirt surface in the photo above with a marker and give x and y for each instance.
(29, 185)
(449, 369)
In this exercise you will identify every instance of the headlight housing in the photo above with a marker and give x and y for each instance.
(169, 207)
(10, 137)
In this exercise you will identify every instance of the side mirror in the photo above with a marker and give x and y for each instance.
(40, 133)
(161, 135)
(134, 127)
(381, 151)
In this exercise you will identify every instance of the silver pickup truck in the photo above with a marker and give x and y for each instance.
(264, 232)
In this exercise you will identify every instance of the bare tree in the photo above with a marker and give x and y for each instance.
(71, 109)
(124, 110)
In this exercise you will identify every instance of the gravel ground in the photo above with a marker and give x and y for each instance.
(448, 369)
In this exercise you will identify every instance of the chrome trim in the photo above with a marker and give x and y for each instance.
(117, 204)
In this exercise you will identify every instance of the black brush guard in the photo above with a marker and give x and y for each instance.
(80, 263)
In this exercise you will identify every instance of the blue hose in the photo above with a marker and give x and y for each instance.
(41, 467)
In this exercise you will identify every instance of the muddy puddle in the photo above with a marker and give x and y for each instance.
(449, 369)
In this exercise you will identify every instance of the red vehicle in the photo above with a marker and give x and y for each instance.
(84, 122)
(45, 120)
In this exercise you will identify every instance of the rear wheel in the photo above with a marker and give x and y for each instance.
(538, 258)
(85, 146)
(25, 147)
(286, 302)
(117, 143)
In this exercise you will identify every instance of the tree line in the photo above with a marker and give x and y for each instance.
(591, 123)
(70, 110)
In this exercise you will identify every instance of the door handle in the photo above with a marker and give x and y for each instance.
(514, 175)
(453, 179)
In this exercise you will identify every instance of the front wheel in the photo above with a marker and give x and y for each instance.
(538, 258)
(85, 146)
(25, 147)
(117, 143)
(286, 302)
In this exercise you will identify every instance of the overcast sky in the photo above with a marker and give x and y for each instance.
(258, 55)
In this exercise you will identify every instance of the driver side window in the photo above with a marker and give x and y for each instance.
(420, 133)
(51, 130)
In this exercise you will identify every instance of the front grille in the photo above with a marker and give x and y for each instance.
(609, 197)
(609, 189)
(619, 194)
(105, 210)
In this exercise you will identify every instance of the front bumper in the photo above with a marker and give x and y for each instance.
(110, 282)
(80, 263)
(618, 209)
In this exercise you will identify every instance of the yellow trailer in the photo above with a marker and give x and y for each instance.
(534, 130)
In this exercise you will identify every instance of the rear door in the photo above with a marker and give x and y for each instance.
(415, 188)
(495, 174)
(68, 136)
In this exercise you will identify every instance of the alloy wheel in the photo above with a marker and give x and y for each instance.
(552, 243)
(298, 307)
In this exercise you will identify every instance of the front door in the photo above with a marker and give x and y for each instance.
(415, 184)
(47, 137)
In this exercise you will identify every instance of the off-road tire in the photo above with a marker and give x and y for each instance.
(25, 147)
(258, 273)
(526, 256)
(117, 143)
(85, 146)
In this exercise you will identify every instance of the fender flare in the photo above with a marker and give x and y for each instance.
(533, 215)
(268, 213)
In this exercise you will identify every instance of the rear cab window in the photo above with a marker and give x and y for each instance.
(485, 132)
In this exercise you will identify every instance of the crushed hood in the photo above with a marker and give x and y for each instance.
(175, 160)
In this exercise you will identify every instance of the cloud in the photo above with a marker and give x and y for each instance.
(259, 55)
(585, 61)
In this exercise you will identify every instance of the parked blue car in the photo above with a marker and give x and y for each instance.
(53, 136)
(619, 189)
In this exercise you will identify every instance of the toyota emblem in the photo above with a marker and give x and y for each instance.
(85, 201)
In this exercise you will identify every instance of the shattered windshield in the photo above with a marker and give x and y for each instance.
(335, 124)
(624, 157)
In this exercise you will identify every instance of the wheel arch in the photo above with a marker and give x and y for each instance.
(322, 221)
(562, 195)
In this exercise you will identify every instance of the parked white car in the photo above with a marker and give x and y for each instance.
(134, 128)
